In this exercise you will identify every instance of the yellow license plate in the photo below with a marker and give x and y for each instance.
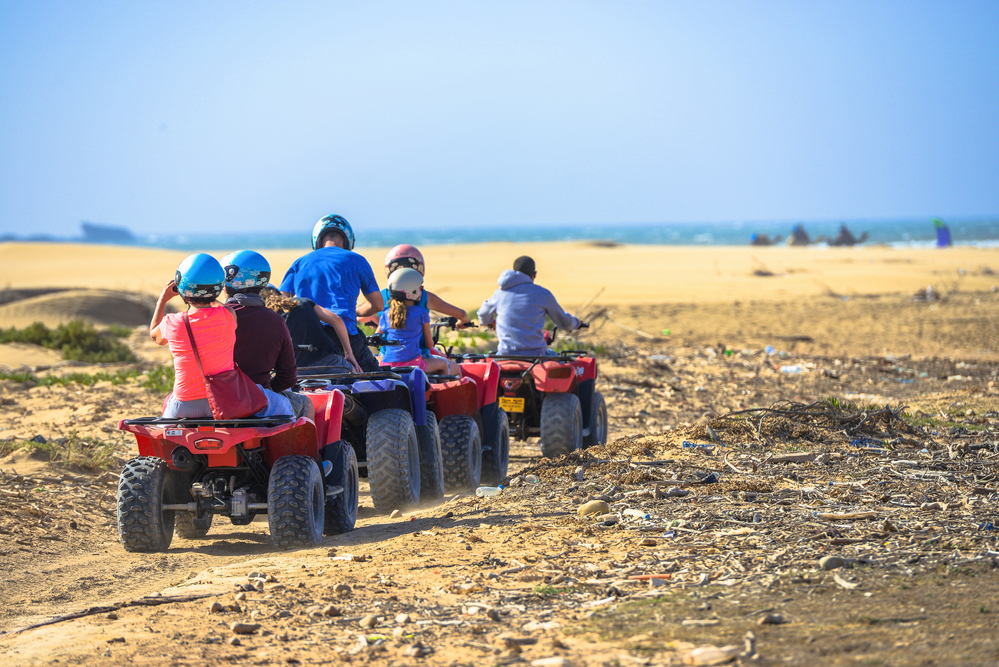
(511, 404)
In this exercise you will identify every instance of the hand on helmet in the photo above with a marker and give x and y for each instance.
(169, 291)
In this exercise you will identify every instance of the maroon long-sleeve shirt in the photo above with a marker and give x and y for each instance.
(263, 344)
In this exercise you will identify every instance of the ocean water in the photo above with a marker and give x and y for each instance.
(911, 232)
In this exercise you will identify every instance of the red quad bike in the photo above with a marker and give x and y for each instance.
(300, 472)
(474, 431)
(553, 397)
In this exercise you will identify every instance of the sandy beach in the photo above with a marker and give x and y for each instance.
(818, 300)
(801, 454)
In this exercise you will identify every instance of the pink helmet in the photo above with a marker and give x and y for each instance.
(404, 257)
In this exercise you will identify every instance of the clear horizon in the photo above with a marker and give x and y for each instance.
(247, 118)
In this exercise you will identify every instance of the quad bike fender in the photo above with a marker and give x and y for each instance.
(454, 397)
(218, 445)
(486, 375)
(554, 377)
(417, 382)
(586, 368)
(329, 414)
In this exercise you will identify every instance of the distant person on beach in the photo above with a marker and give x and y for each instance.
(764, 239)
(943, 233)
(518, 309)
(846, 238)
(263, 344)
(799, 236)
(408, 323)
(331, 276)
(313, 346)
(198, 282)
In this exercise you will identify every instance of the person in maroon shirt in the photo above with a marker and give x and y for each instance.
(264, 350)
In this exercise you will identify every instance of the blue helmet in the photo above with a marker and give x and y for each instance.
(245, 269)
(337, 223)
(199, 275)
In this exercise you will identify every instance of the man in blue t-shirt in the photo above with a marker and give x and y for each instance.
(332, 275)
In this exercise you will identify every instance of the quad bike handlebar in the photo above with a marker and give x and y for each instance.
(379, 340)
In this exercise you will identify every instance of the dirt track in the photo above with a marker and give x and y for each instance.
(522, 577)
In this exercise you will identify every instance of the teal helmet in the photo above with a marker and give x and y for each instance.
(334, 222)
(245, 269)
(200, 276)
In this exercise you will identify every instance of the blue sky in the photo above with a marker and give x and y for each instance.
(226, 116)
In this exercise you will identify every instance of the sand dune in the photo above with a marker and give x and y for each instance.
(99, 307)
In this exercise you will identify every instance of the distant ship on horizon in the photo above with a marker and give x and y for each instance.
(94, 232)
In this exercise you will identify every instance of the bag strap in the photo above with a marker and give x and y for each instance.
(194, 347)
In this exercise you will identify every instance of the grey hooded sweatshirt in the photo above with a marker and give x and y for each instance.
(519, 308)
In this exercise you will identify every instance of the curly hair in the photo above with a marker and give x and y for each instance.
(277, 301)
(397, 314)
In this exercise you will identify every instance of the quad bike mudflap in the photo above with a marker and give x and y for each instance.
(386, 421)
(297, 471)
(553, 397)
(475, 433)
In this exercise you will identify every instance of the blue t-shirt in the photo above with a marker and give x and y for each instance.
(332, 277)
(411, 334)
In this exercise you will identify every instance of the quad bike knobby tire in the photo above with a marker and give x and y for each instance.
(143, 488)
(598, 422)
(496, 461)
(461, 449)
(393, 460)
(561, 425)
(296, 502)
(431, 463)
(341, 510)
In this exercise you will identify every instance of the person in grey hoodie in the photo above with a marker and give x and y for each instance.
(519, 307)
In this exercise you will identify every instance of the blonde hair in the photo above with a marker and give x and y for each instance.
(398, 310)
(277, 301)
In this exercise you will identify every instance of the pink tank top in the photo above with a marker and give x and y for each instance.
(215, 333)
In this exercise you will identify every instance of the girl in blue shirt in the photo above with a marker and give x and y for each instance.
(406, 322)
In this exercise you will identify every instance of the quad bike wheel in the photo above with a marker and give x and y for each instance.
(431, 463)
(496, 461)
(561, 425)
(598, 422)
(461, 449)
(144, 487)
(393, 460)
(341, 510)
(296, 502)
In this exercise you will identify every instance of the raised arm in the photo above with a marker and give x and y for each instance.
(169, 292)
(334, 320)
(439, 305)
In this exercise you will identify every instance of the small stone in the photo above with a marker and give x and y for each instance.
(369, 621)
(254, 575)
(398, 632)
(244, 628)
(343, 590)
(403, 619)
(711, 655)
(579, 473)
(933, 506)
(270, 579)
(417, 650)
(835, 562)
(648, 542)
(284, 613)
(771, 619)
(241, 596)
(113, 616)
(593, 507)
(234, 641)
(394, 514)
(216, 607)
(331, 610)
(492, 615)
(556, 661)
(677, 492)
(823, 459)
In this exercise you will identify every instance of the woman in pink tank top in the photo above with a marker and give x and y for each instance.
(214, 328)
